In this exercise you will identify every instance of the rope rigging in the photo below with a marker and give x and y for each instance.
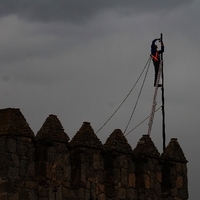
(138, 97)
(157, 57)
(141, 122)
(147, 64)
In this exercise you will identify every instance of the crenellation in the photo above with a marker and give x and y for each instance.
(50, 167)
(86, 164)
(119, 167)
(148, 169)
(174, 171)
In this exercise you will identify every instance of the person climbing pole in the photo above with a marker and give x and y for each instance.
(155, 54)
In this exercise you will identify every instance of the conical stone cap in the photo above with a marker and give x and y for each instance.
(86, 137)
(146, 147)
(12, 122)
(52, 129)
(117, 141)
(174, 152)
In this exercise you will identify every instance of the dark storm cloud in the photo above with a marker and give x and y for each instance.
(79, 10)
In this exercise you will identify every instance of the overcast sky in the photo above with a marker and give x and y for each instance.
(79, 60)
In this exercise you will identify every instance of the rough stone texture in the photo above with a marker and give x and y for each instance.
(116, 141)
(52, 129)
(146, 147)
(48, 167)
(174, 152)
(174, 171)
(86, 137)
(119, 167)
(52, 159)
(17, 163)
(147, 169)
(87, 164)
(12, 122)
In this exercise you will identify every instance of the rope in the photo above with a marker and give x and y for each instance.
(137, 97)
(141, 122)
(125, 97)
(154, 100)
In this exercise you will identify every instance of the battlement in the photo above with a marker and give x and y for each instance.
(49, 166)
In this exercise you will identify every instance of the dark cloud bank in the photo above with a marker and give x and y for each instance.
(78, 11)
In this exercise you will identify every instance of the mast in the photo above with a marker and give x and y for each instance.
(163, 100)
(160, 74)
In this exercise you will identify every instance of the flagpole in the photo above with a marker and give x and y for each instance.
(163, 100)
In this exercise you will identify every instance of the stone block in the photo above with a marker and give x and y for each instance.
(183, 194)
(24, 195)
(177, 198)
(96, 161)
(72, 194)
(147, 181)
(51, 154)
(117, 174)
(11, 145)
(124, 176)
(4, 196)
(15, 160)
(13, 173)
(132, 194)
(22, 149)
(179, 168)
(101, 187)
(67, 172)
(121, 193)
(31, 170)
(179, 182)
(50, 170)
(174, 192)
(67, 184)
(102, 196)
(43, 192)
(159, 176)
(31, 184)
(13, 197)
(123, 162)
(2, 146)
(23, 167)
(81, 193)
(4, 186)
(32, 195)
(132, 180)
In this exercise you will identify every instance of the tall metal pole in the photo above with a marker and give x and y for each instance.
(163, 100)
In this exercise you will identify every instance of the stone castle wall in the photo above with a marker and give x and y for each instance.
(50, 167)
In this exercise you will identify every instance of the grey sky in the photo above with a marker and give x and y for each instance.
(80, 60)
(73, 10)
